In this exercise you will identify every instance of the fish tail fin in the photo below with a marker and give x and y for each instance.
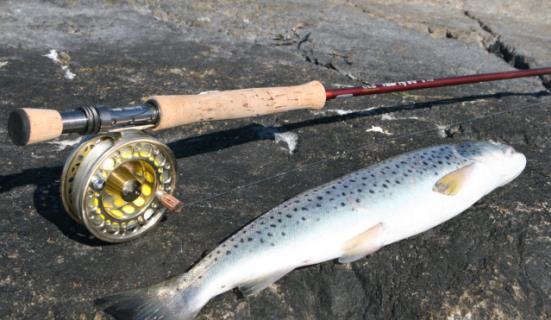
(167, 300)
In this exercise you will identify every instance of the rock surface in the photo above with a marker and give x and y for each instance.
(493, 261)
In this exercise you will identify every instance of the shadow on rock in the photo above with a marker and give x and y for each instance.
(218, 140)
(47, 201)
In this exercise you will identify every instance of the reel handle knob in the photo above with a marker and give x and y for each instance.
(177, 110)
(28, 125)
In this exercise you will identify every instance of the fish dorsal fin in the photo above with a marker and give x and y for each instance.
(452, 183)
(362, 244)
(255, 286)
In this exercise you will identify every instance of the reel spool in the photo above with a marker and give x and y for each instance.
(119, 184)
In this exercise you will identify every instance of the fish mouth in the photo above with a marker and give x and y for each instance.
(516, 164)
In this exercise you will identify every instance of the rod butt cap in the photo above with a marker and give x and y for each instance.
(28, 126)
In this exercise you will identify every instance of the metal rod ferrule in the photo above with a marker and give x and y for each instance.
(94, 119)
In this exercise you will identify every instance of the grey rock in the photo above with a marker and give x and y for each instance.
(491, 262)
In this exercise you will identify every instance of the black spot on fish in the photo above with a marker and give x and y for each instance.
(279, 220)
(295, 209)
(261, 240)
(345, 186)
(235, 246)
(371, 191)
(304, 209)
(228, 252)
(241, 240)
(272, 244)
(249, 239)
(318, 205)
(343, 204)
(385, 186)
(359, 190)
(283, 234)
(358, 200)
(303, 218)
(344, 193)
(397, 182)
(319, 197)
(270, 234)
(289, 216)
(273, 225)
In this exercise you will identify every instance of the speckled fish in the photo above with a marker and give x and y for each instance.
(345, 219)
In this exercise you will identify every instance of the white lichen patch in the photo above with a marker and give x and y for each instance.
(441, 130)
(342, 112)
(60, 145)
(290, 138)
(3, 64)
(378, 129)
(62, 60)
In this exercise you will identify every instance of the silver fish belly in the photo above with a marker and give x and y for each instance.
(345, 219)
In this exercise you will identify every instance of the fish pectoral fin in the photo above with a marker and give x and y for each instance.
(452, 183)
(362, 244)
(253, 287)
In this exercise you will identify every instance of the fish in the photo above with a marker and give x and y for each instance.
(345, 219)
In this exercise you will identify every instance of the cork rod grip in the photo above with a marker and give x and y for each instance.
(178, 110)
(28, 125)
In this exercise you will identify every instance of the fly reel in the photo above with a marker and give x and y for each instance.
(119, 184)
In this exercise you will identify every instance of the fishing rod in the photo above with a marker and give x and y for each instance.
(119, 181)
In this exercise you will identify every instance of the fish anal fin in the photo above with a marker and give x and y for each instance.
(362, 244)
(452, 183)
(253, 287)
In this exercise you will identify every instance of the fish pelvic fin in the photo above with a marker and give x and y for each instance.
(454, 181)
(253, 287)
(362, 244)
(167, 300)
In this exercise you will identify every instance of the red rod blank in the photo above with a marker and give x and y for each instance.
(432, 83)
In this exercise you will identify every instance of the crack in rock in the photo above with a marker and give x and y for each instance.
(504, 51)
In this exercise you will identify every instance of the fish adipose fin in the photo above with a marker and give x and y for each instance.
(363, 244)
(255, 286)
(161, 301)
(452, 183)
